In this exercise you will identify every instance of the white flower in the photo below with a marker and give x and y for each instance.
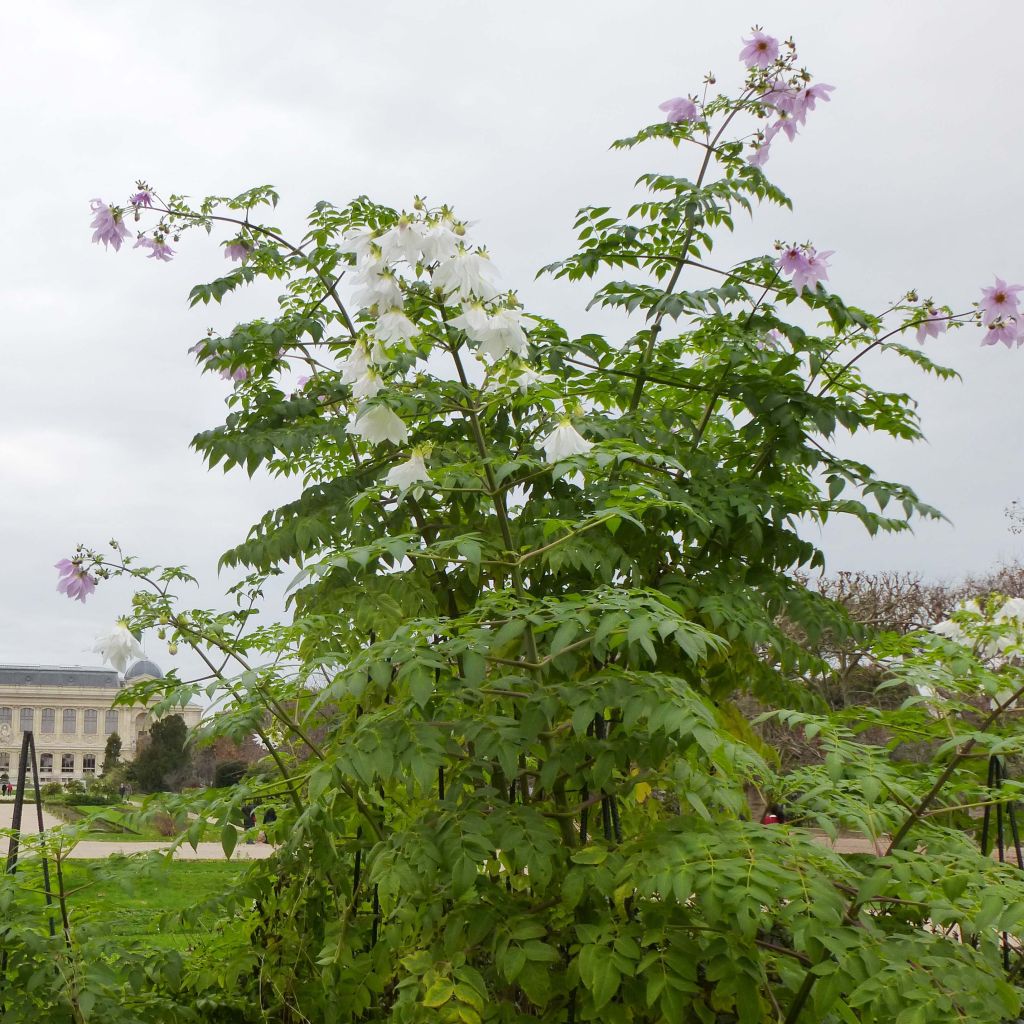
(119, 647)
(408, 473)
(403, 241)
(950, 630)
(529, 377)
(466, 275)
(358, 241)
(368, 385)
(503, 335)
(378, 288)
(357, 363)
(438, 242)
(1012, 610)
(394, 326)
(563, 442)
(473, 320)
(378, 424)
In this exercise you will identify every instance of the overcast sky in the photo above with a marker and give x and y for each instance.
(912, 174)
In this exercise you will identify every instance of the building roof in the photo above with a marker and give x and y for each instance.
(57, 675)
(144, 669)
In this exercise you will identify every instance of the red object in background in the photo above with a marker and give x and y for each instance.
(771, 819)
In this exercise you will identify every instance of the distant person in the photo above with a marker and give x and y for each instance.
(248, 820)
(773, 815)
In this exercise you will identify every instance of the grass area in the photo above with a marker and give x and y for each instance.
(131, 904)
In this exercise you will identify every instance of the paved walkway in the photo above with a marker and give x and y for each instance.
(89, 848)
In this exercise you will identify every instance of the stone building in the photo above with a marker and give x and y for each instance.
(71, 713)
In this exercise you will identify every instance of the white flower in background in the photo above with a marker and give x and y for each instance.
(503, 335)
(378, 424)
(409, 473)
(466, 275)
(394, 326)
(358, 241)
(403, 241)
(564, 441)
(528, 378)
(951, 631)
(368, 385)
(438, 242)
(378, 288)
(357, 363)
(119, 647)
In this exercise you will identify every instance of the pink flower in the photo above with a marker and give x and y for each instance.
(74, 580)
(932, 327)
(806, 264)
(110, 228)
(786, 123)
(158, 249)
(1001, 330)
(805, 99)
(143, 198)
(679, 108)
(760, 50)
(760, 155)
(240, 374)
(236, 251)
(793, 260)
(999, 300)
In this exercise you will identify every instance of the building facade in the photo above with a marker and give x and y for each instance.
(71, 712)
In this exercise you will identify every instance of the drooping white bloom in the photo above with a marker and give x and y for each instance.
(358, 241)
(564, 441)
(378, 424)
(409, 473)
(403, 241)
(393, 327)
(378, 288)
(465, 275)
(503, 335)
(119, 647)
(438, 242)
(473, 320)
(528, 378)
(368, 385)
(357, 363)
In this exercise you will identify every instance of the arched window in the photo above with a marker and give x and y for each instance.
(26, 719)
(49, 720)
(45, 764)
(5, 762)
(90, 719)
(69, 719)
(110, 722)
(89, 764)
(6, 716)
(67, 764)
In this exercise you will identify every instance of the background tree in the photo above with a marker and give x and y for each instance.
(111, 753)
(163, 756)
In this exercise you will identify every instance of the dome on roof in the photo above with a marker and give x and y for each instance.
(144, 669)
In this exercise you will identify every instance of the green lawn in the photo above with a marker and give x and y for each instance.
(101, 894)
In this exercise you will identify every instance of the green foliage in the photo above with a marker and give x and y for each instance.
(228, 773)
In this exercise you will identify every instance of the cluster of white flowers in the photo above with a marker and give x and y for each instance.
(995, 639)
(429, 249)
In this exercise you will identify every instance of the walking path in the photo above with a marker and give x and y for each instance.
(89, 848)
